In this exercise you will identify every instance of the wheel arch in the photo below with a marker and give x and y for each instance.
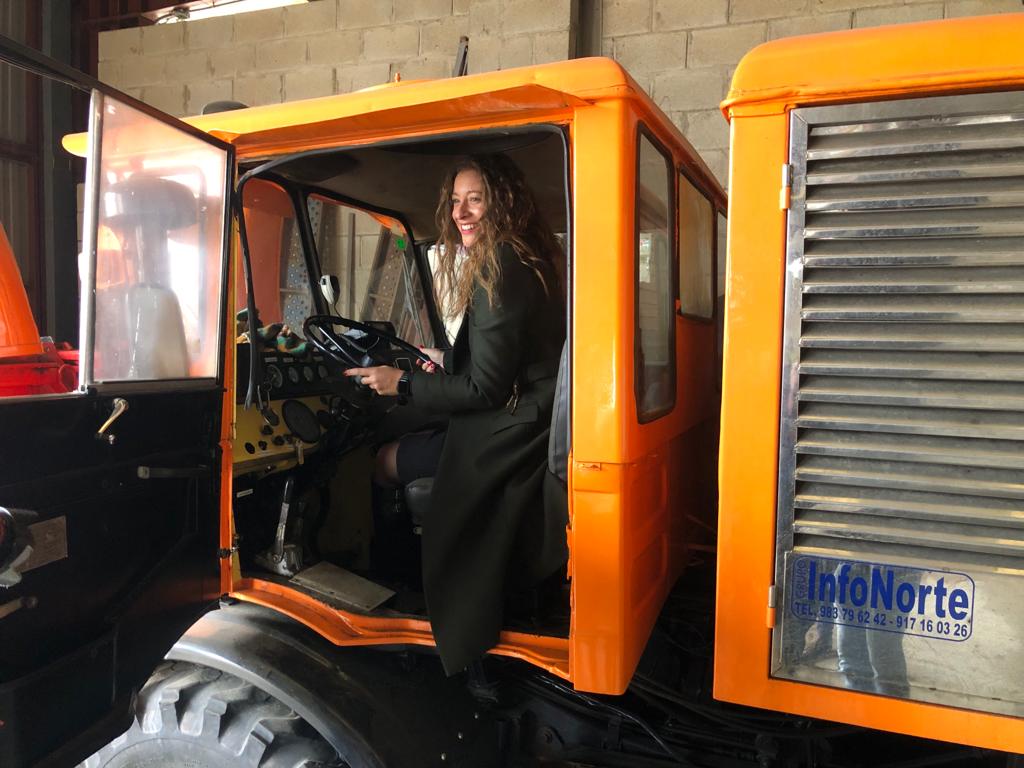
(299, 668)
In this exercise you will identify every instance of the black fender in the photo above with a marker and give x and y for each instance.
(375, 708)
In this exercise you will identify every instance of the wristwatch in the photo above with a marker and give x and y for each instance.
(405, 384)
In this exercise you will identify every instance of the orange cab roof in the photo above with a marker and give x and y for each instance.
(979, 53)
(545, 86)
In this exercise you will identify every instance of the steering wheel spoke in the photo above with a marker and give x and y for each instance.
(347, 349)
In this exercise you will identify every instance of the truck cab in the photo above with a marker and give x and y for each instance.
(213, 449)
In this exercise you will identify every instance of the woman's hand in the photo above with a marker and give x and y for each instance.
(382, 379)
(436, 359)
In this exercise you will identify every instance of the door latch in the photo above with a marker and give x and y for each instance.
(120, 406)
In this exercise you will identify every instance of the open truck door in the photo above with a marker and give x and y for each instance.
(109, 493)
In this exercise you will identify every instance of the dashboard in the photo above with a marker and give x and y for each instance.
(300, 406)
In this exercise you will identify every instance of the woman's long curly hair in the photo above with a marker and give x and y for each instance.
(511, 217)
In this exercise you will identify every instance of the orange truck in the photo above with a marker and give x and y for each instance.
(187, 543)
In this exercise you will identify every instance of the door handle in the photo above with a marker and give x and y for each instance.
(120, 406)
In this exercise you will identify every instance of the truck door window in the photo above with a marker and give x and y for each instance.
(654, 347)
(696, 252)
(159, 245)
(374, 260)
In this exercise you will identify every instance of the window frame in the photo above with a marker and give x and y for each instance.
(418, 253)
(644, 132)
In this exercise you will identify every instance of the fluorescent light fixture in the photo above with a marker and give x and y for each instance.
(205, 9)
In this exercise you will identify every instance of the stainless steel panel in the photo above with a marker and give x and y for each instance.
(902, 414)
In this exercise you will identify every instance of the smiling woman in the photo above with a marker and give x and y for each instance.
(497, 269)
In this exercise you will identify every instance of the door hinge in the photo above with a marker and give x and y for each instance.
(224, 552)
(787, 186)
(770, 613)
(772, 595)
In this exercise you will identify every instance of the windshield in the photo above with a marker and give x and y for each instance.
(367, 263)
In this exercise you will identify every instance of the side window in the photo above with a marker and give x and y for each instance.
(374, 260)
(654, 348)
(160, 221)
(696, 251)
(280, 276)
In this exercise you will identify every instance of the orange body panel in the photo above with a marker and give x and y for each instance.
(865, 65)
(19, 336)
(634, 489)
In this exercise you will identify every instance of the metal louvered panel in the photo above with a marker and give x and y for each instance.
(902, 422)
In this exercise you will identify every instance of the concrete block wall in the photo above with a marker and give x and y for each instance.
(683, 52)
(325, 47)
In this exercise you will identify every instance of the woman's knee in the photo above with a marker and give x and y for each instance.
(385, 470)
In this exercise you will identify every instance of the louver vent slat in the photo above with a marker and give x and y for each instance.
(906, 337)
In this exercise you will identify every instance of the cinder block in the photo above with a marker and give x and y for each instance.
(209, 33)
(308, 83)
(360, 76)
(162, 38)
(143, 70)
(688, 14)
(484, 19)
(167, 98)
(310, 18)
(707, 129)
(724, 45)
(286, 53)
(956, 8)
(825, 6)
(550, 46)
(228, 62)
(689, 89)
(625, 17)
(109, 72)
(653, 52)
(534, 16)
(755, 10)
(516, 52)
(255, 90)
(353, 14)
(257, 26)
(899, 14)
(390, 43)
(441, 38)
(809, 25)
(718, 161)
(198, 95)
(120, 43)
(484, 54)
(425, 68)
(418, 10)
(461, 7)
(337, 47)
(189, 67)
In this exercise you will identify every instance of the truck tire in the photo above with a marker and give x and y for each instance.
(188, 714)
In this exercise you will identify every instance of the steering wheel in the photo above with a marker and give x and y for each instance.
(374, 348)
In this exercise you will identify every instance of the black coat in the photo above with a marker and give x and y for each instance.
(487, 529)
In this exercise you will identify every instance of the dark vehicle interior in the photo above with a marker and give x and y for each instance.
(340, 244)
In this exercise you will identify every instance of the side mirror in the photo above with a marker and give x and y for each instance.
(330, 288)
